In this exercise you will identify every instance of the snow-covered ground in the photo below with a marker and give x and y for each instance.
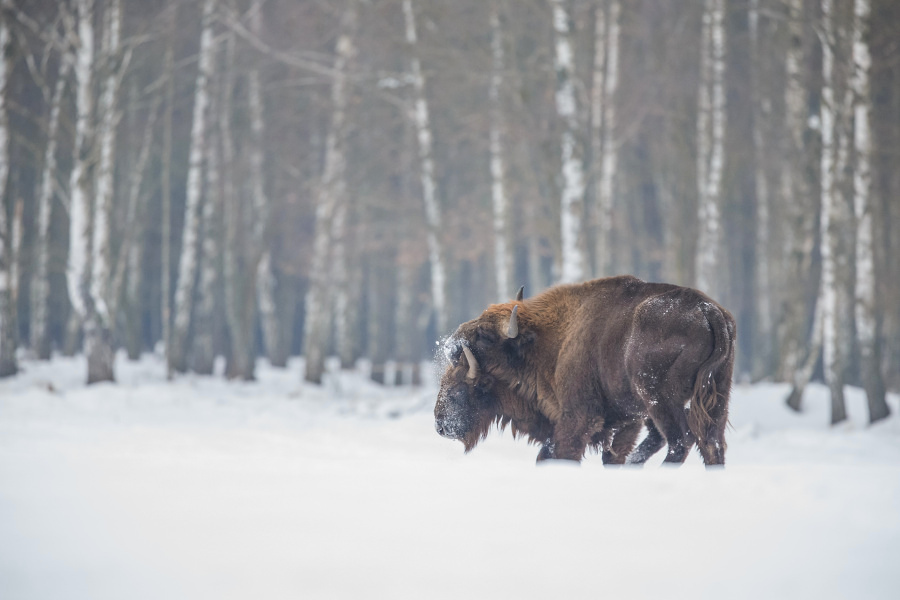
(202, 488)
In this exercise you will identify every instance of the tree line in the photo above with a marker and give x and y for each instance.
(240, 178)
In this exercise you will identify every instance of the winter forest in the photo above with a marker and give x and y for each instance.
(354, 178)
(236, 233)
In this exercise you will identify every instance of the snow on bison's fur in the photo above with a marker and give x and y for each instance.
(587, 365)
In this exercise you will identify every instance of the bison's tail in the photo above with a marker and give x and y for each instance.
(709, 401)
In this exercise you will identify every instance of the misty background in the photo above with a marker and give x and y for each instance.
(354, 178)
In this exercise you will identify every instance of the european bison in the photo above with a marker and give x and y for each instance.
(587, 365)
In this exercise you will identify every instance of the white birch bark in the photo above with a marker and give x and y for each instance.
(609, 160)
(832, 222)
(865, 303)
(108, 116)
(40, 283)
(187, 266)
(332, 195)
(503, 256)
(8, 364)
(97, 335)
(710, 144)
(572, 197)
(424, 137)
(77, 269)
(826, 174)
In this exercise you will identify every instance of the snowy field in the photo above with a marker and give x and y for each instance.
(203, 488)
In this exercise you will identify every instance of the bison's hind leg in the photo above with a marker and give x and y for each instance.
(649, 446)
(712, 447)
(711, 437)
(664, 394)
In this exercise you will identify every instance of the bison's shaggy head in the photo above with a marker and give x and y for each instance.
(470, 394)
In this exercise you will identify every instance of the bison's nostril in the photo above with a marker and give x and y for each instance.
(439, 428)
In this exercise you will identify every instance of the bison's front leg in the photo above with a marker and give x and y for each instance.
(571, 435)
(546, 452)
(623, 439)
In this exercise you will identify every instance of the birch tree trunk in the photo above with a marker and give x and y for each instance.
(187, 266)
(40, 282)
(800, 345)
(710, 145)
(346, 275)
(203, 349)
(79, 269)
(867, 323)
(235, 284)
(424, 137)
(572, 199)
(242, 323)
(98, 328)
(107, 110)
(606, 154)
(503, 256)
(266, 294)
(130, 256)
(265, 280)
(134, 242)
(347, 304)
(404, 319)
(763, 334)
(834, 221)
(403, 349)
(8, 364)
(332, 195)
(166, 194)
(598, 97)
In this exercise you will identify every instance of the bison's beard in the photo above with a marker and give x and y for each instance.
(481, 427)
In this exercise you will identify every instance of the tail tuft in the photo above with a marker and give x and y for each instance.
(706, 394)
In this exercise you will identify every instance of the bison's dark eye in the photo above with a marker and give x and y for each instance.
(458, 397)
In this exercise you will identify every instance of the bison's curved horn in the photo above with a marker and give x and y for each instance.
(513, 330)
(520, 294)
(473, 364)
